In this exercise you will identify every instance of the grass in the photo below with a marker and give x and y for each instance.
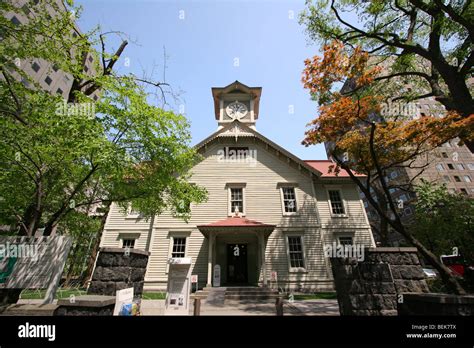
(154, 296)
(60, 294)
(315, 296)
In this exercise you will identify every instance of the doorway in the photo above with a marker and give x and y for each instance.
(237, 264)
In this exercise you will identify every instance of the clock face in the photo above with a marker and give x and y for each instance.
(236, 110)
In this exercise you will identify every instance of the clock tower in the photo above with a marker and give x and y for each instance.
(236, 102)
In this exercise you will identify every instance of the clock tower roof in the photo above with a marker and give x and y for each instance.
(233, 92)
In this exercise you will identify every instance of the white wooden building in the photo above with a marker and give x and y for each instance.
(267, 210)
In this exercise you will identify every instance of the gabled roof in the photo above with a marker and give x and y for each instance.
(255, 92)
(245, 131)
(323, 167)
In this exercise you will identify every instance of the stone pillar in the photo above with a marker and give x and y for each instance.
(209, 258)
(261, 241)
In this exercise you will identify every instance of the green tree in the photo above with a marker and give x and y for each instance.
(444, 221)
(57, 159)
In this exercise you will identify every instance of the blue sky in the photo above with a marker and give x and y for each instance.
(204, 40)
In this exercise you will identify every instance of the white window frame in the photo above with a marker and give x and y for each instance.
(282, 199)
(468, 177)
(303, 249)
(343, 200)
(128, 235)
(230, 186)
(171, 236)
(122, 242)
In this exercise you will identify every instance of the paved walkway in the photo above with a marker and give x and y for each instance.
(217, 306)
(226, 308)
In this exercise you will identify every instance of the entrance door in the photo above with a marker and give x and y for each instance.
(237, 264)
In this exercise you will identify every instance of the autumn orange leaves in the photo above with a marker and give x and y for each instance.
(351, 117)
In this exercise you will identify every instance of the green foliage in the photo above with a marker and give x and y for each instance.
(444, 221)
(59, 159)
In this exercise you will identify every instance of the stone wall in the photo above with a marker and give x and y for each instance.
(436, 304)
(372, 286)
(117, 269)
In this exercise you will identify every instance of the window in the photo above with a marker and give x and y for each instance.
(470, 166)
(393, 174)
(444, 154)
(48, 80)
(179, 247)
(90, 59)
(236, 200)
(345, 240)
(403, 198)
(446, 178)
(55, 68)
(447, 144)
(408, 211)
(59, 91)
(366, 205)
(440, 167)
(457, 179)
(35, 66)
(15, 20)
(450, 166)
(295, 252)
(26, 10)
(392, 190)
(337, 205)
(467, 178)
(86, 69)
(289, 199)
(452, 191)
(460, 166)
(128, 243)
(463, 191)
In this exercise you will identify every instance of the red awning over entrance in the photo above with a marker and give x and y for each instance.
(236, 223)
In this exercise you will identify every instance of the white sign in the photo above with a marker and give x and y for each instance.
(216, 282)
(178, 291)
(123, 297)
(29, 262)
(194, 278)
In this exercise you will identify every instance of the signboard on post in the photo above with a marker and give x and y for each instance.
(33, 263)
(177, 297)
(194, 280)
(216, 280)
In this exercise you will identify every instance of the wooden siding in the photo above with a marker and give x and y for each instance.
(262, 203)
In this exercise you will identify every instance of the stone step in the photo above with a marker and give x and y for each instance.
(255, 293)
(251, 297)
(31, 310)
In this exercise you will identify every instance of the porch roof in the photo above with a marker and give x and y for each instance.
(236, 223)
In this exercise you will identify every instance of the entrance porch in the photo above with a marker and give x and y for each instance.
(237, 245)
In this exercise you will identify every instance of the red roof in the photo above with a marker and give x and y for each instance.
(237, 221)
(323, 167)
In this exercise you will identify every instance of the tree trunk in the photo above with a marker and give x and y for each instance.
(95, 249)
(448, 278)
